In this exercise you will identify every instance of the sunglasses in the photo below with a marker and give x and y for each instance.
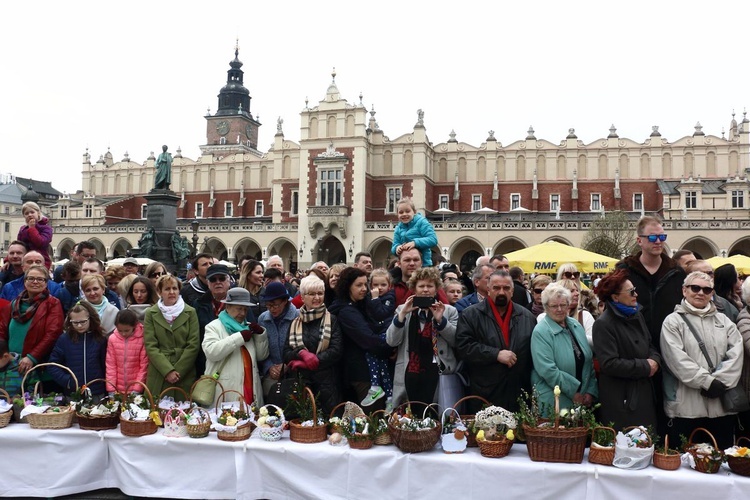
(572, 276)
(156, 275)
(214, 279)
(631, 291)
(653, 237)
(538, 290)
(705, 289)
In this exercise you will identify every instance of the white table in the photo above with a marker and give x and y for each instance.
(61, 462)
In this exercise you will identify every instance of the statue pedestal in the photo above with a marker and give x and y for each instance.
(162, 217)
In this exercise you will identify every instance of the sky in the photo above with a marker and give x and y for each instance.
(131, 76)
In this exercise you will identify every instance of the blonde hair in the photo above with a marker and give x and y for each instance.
(407, 201)
(88, 278)
(30, 205)
(381, 273)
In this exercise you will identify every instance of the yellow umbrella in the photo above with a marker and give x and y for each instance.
(740, 262)
(546, 257)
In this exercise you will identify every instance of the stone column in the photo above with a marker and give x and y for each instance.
(162, 217)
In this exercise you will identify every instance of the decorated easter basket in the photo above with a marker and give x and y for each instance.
(164, 405)
(308, 434)
(384, 437)
(58, 417)
(231, 432)
(598, 454)
(359, 440)
(175, 423)
(454, 433)
(274, 431)
(468, 419)
(138, 428)
(739, 464)
(199, 423)
(6, 415)
(706, 463)
(350, 410)
(668, 459)
(411, 438)
(89, 419)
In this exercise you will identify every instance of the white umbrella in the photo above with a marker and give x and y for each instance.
(443, 212)
(142, 261)
(228, 264)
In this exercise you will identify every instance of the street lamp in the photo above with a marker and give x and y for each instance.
(194, 226)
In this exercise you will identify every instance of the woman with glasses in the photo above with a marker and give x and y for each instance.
(154, 271)
(31, 323)
(728, 285)
(569, 271)
(627, 360)
(538, 284)
(172, 339)
(698, 376)
(278, 317)
(561, 355)
(582, 316)
(315, 345)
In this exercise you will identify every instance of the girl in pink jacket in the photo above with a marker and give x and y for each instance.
(126, 354)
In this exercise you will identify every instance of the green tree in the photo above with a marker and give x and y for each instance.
(610, 235)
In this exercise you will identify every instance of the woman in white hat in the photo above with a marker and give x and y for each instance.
(234, 347)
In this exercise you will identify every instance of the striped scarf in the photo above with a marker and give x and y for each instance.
(305, 316)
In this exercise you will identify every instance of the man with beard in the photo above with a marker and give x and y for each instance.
(493, 338)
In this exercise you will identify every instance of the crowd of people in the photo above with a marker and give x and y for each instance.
(657, 342)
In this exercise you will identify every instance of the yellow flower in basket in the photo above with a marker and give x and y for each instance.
(231, 421)
(480, 435)
(509, 435)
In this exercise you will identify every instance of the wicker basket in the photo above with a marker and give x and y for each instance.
(243, 431)
(667, 460)
(201, 429)
(705, 464)
(308, 435)
(495, 449)
(138, 428)
(5, 417)
(414, 441)
(471, 440)
(163, 411)
(273, 433)
(383, 438)
(98, 422)
(51, 420)
(739, 465)
(602, 455)
(556, 444)
(350, 410)
(453, 441)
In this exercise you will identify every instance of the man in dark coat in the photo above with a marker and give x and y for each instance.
(493, 338)
(656, 276)
(521, 294)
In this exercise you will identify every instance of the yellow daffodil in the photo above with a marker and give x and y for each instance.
(509, 435)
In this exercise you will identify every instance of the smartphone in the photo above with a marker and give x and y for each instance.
(423, 302)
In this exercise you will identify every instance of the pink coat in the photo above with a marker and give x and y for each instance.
(126, 360)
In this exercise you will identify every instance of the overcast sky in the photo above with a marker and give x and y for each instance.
(134, 75)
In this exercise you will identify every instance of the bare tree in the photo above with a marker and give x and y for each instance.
(610, 235)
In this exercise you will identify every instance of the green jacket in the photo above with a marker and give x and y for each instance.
(170, 348)
(554, 363)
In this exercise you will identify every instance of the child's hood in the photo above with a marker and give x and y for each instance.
(137, 333)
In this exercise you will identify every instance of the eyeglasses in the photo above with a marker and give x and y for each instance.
(558, 306)
(572, 276)
(705, 289)
(631, 291)
(653, 237)
(79, 322)
(220, 277)
(538, 290)
(275, 305)
(35, 279)
(156, 275)
(315, 294)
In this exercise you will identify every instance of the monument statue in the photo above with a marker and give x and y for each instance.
(180, 247)
(163, 165)
(147, 244)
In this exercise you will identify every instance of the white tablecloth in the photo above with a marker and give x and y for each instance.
(62, 462)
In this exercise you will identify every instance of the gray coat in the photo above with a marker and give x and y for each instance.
(399, 337)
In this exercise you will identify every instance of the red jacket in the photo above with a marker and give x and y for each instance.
(46, 326)
(126, 360)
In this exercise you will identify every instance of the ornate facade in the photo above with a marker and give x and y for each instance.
(334, 193)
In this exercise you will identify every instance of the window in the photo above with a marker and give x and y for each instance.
(476, 202)
(144, 211)
(7, 209)
(738, 199)
(64, 212)
(228, 209)
(691, 199)
(330, 187)
(515, 201)
(7, 227)
(443, 201)
(596, 202)
(259, 208)
(637, 201)
(295, 203)
(199, 210)
(394, 194)
(88, 211)
(554, 202)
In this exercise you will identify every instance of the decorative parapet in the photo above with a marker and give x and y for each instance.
(327, 217)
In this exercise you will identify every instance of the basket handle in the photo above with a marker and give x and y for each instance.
(452, 410)
(333, 410)
(146, 391)
(4, 394)
(192, 387)
(737, 443)
(221, 399)
(643, 430)
(593, 432)
(91, 382)
(315, 409)
(467, 398)
(690, 439)
(174, 388)
(23, 381)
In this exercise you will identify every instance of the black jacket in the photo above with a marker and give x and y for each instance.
(658, 293)
(478, 342)
(623, 347)
(324, 380)
(521, 295)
